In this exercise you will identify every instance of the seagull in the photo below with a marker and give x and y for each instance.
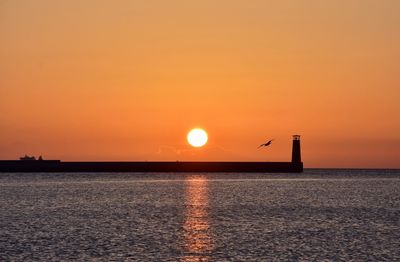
(266, 144)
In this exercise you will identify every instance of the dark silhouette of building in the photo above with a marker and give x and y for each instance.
(27, 158)
(296, 153)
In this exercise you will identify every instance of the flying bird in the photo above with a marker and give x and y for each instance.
(266, 144)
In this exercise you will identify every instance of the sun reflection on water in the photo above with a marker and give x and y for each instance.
(198, 240)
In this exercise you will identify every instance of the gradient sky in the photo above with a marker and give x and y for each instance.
(126, 80)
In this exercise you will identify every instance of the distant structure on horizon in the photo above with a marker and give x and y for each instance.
(29, 158)
(296, 151)
(31, 164)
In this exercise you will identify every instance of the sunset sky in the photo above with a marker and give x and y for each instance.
(127, 80)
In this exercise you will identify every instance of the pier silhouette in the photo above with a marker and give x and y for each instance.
(295, 166)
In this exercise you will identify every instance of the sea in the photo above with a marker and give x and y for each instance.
(318, 215)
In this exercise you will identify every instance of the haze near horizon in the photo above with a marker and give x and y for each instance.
(127, 80)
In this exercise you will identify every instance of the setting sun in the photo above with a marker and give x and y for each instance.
(197, 137)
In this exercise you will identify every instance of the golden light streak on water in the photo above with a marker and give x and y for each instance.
(198, 240)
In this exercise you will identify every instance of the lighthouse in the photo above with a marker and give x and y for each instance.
(296, 154)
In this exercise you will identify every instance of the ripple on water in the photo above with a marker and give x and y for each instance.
(336, 215)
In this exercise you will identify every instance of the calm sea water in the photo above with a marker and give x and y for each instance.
(317, 215)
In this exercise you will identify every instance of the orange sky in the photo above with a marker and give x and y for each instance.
(126, 80)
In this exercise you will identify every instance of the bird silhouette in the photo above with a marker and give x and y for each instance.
(266, 144)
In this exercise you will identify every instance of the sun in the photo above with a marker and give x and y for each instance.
(197, 137)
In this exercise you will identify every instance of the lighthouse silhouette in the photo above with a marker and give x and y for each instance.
(296, 154)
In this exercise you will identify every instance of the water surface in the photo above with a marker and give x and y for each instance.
(320, 214)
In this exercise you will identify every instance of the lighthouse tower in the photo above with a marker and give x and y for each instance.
(296, 154)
